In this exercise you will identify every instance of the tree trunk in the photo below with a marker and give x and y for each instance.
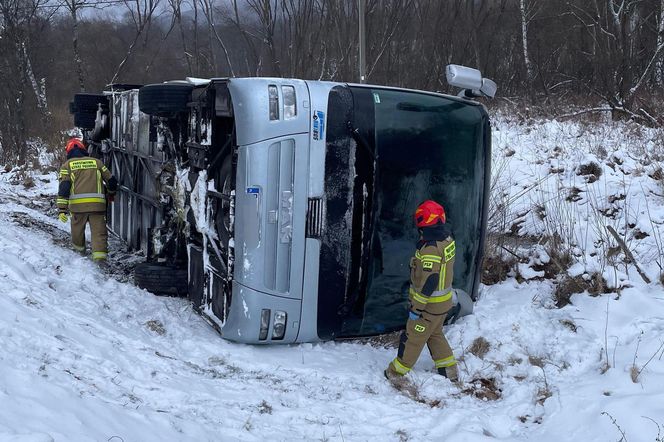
(208, 10)
(39, 88)
(77, 56)
(524, 40)
(659, 66)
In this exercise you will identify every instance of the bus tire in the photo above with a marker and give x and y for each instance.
(164, 99)
(161, 280)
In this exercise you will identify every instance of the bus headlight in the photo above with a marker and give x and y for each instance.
(265, 324)
(279, 327)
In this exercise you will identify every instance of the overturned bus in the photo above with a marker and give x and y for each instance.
(283, 208)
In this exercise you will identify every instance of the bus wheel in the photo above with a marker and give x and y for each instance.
(164, 99)
(162, 280)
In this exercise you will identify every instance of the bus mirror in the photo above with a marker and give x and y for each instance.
(489, 88)
(470, 81)
(463, 77)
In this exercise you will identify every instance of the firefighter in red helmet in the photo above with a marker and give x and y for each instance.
(430, 296)
(85, 186)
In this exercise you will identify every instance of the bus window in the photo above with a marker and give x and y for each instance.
(426, 147)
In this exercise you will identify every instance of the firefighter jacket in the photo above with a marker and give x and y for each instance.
(431, 273)
(82, 184)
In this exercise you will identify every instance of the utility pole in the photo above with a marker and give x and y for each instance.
(361, 5)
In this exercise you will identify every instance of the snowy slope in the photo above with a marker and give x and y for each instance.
(89, 358)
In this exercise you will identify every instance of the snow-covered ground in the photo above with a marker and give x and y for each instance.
(86, 357)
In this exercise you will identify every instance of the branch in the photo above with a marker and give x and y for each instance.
(587, 111)
(623, 246)
(208, 11)
(651, 63)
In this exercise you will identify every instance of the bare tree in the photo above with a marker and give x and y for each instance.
(176, 21)
(621, 67)
(18, 77)
(525, 21)
(659, 65)
(209, 12)
(74, 7)
(266, 11)
(141, 13)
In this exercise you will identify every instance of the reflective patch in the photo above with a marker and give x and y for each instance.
(435, 298)
(83, 164)
(427, 265)
(87, 200)
(417, 297)
(399, 367)
(98, 255)
(445, 362)
(419, 328)
(450, 251)
(433, 258)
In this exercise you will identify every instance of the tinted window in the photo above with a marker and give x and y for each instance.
(428, 147)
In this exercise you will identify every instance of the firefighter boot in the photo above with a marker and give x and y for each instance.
(450, 373)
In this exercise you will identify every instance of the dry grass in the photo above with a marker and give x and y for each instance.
(595, 285)
(536, 361)
(569, 324)
(485, 389)
(496, 268)
(156, 326)
(480, 347)
(543, 393)
(592, 171)
(264, 408)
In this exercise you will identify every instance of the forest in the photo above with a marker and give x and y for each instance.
(557, 56)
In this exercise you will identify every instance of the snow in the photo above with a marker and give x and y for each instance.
(88, 358)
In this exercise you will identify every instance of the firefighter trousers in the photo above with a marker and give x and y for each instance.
(426, 330)
(99, 235)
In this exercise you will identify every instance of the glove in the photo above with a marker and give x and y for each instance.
(62, 216)
(414, 316)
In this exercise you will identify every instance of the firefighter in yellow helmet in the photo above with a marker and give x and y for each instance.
(430, 296)
(85, 185)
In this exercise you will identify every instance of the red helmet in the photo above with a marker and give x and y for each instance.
(74, 143)
(429, 213)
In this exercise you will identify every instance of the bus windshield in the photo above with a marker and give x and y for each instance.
(410, 147)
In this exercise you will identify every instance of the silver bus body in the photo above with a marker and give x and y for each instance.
(304, 232)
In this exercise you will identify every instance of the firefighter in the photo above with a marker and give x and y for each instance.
(430, 296)
(84, 185)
